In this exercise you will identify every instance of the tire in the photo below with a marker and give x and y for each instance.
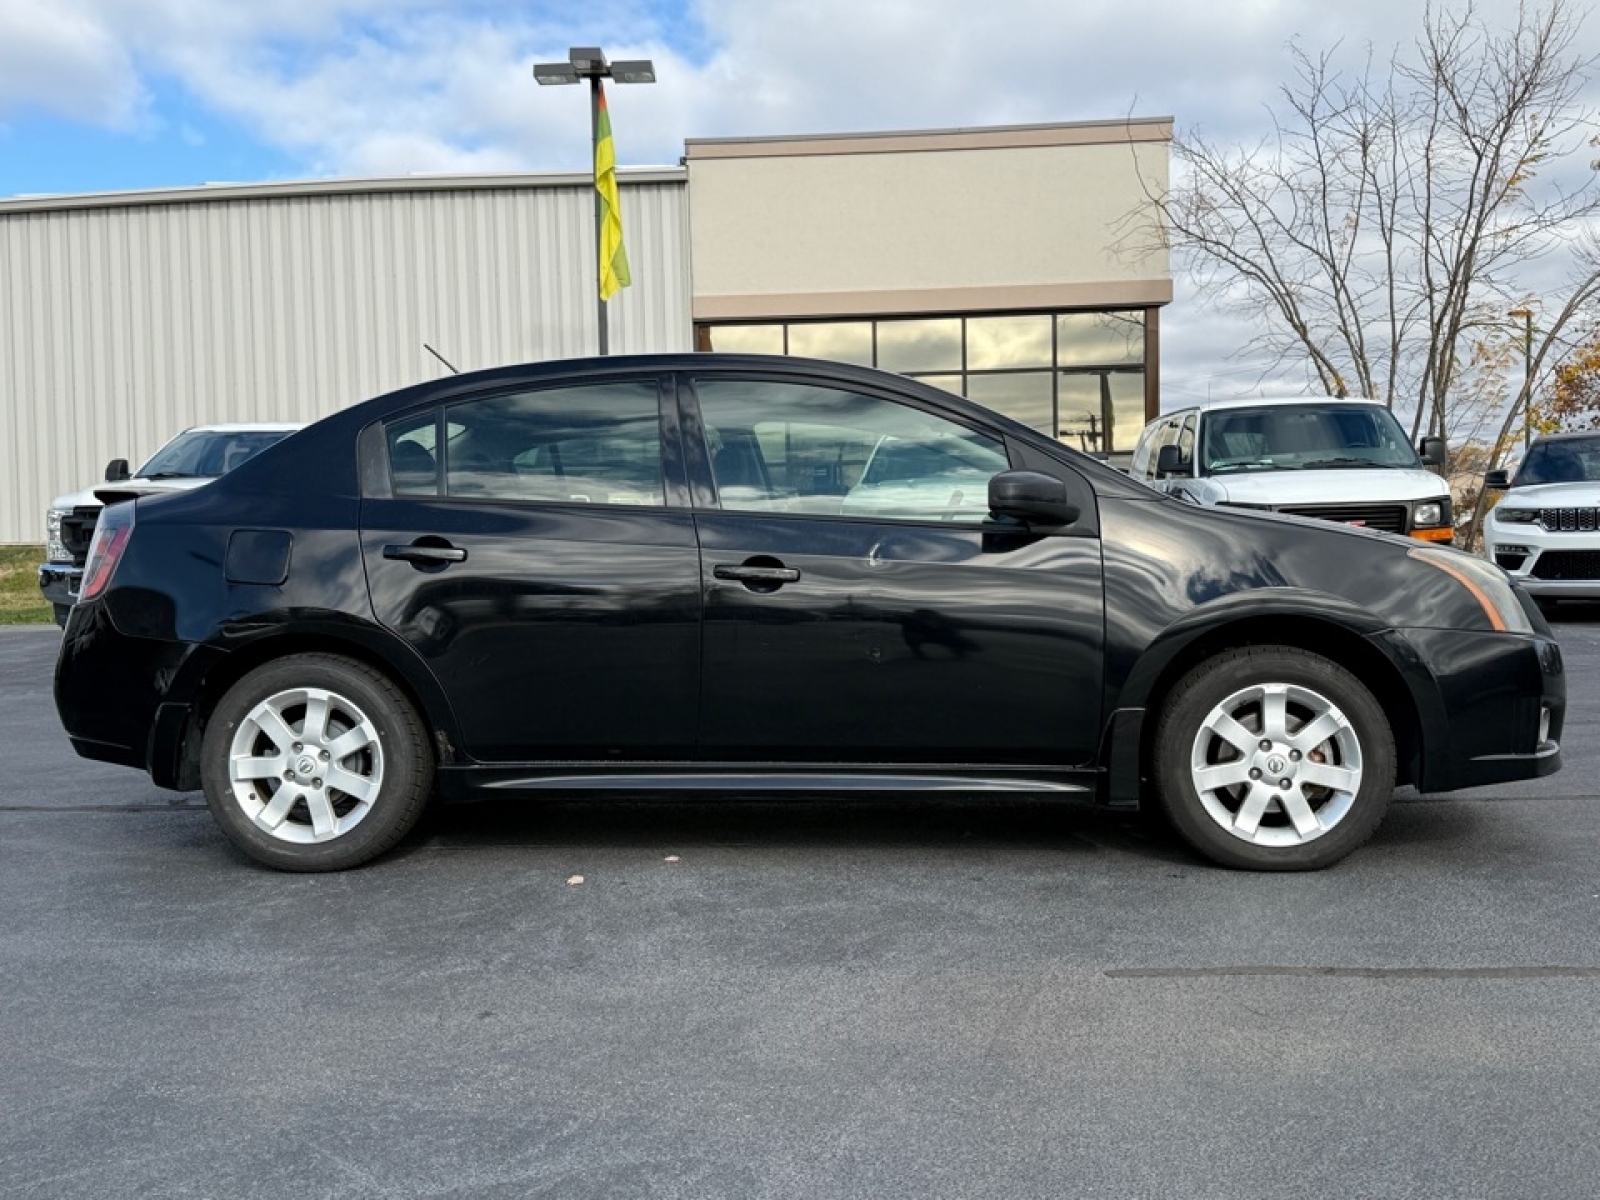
(1223, 741)
(285, 738)
(62, 612)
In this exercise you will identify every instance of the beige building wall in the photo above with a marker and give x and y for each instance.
(1055, 216)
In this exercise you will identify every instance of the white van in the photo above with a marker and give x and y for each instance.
(1314, 456)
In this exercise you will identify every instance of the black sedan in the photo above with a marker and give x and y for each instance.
(740, 573)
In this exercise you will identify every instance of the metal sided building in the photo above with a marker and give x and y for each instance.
(1021, 266)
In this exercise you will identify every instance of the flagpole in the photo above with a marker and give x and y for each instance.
(589, 62)
(599, 210)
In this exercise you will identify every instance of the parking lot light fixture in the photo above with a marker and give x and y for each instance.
(589, 62)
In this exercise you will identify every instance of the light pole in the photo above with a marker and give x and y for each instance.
(589, 62)
(1526, 316)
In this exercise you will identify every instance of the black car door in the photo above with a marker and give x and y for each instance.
(535, 550)
(859, 605)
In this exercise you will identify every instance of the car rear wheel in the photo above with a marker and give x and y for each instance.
(1273, 758)
(315, 762)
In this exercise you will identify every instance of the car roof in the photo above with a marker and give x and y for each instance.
(1227, 402)
(1571, 436)
(248, 427)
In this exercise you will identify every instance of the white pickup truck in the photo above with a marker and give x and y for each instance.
(1318, 456)
(196, 456)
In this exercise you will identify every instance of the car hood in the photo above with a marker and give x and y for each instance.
(126, 489)
(1330, 486)
(1554, 495)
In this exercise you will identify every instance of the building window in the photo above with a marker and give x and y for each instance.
(1078, 376)
(746, 339)
(913, 347)
(843, 341)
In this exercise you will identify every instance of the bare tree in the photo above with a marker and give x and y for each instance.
(1395, 215)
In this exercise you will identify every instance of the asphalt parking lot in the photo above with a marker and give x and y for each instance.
(882, 999)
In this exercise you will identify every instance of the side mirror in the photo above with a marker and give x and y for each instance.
(116, 470)
(1497, 481)
(1031, 496)
(1170, 461)
(1433, 451)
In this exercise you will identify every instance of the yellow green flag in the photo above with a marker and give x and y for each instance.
(614, 274)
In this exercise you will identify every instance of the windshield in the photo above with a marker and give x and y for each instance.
(1570, 460)
(1285, 437)
(207, 453)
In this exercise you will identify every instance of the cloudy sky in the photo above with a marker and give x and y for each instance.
(99, 95)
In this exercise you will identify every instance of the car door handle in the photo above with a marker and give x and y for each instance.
(745, 574)
(426, 555)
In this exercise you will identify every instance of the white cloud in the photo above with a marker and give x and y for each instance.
(61, 58)
(363, 87)
(344, 84)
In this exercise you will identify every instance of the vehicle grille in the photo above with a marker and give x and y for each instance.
(1391, 518)
(77, 530)
(1570, 520)
(1568, 564)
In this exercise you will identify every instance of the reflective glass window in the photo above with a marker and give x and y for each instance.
(842, 341)
(914, 347)
(954, 384)
(1023, 396)
(597, 444)
(1102, 410)
(1100, 339)
(793, 448)
(208, 453)
(745, 339)
(997, 342)
(413, 466)
(1567, 460)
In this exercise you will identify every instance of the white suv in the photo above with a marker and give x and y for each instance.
(1546, 530)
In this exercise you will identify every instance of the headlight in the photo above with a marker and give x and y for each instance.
(1487, 583)
(1430, 514)
(1515, 516)
(55, 550)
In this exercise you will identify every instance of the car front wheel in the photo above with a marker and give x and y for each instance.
(1273, 758)
(315, 762)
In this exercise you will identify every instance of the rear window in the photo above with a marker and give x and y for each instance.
(595, 444)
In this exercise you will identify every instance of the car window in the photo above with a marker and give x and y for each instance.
(1310, 436)
(208, 453)
(1570, 460)
(1186, 441)
(594, 444)
(785, 447)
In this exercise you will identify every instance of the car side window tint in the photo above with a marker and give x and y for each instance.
(413, 467)
(593, 444)
(788, 447)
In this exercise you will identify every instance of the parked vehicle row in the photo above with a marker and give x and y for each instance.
(1349, 461)
(744, 573)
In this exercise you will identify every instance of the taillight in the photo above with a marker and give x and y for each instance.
(111, 534)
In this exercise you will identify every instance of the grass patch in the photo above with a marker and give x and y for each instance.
(20, 601)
